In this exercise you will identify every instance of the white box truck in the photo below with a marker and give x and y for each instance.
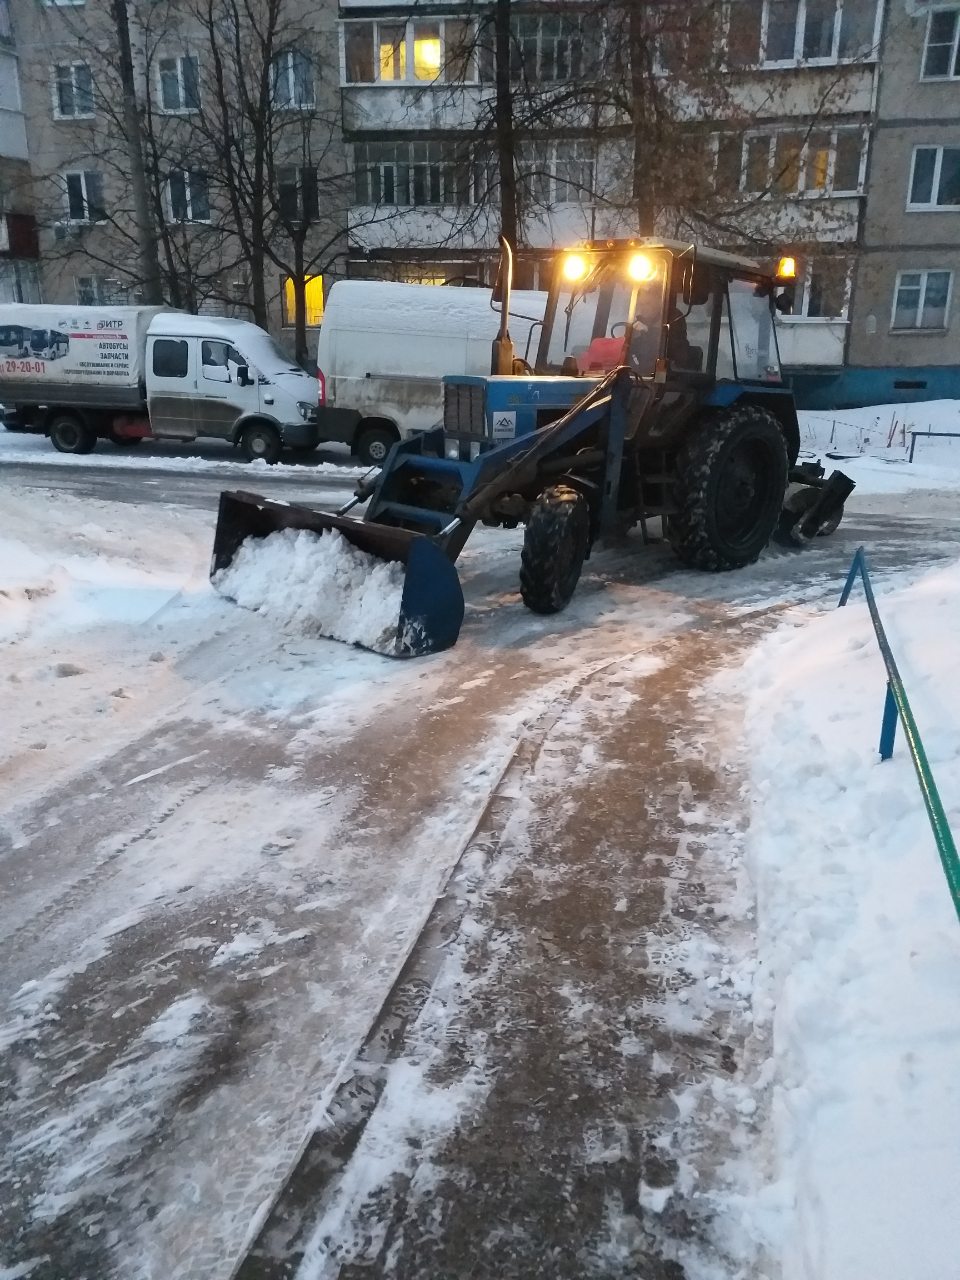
(384, 348)
(126, 374)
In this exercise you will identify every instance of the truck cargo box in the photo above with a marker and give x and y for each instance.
(77, 355)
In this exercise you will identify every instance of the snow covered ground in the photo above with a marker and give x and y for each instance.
(858, 941)
(221, 838)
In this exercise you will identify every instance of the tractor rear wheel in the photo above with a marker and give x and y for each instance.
(730, 482)
(555, 545)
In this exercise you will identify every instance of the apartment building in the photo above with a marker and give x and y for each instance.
(905, 308)
(245, 167)
(19, 278)
(784, 127)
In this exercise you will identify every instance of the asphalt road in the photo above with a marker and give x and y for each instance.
(100, 476)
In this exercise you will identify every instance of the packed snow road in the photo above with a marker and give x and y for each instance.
(221, 841)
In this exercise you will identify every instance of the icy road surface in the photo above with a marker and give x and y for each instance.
(220, 842)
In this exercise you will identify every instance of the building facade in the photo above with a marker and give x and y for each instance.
(241, 141)
(905, 311)
(19, 276)
(779, 132)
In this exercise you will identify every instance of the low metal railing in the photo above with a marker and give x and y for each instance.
(934, 435)
(896, 705)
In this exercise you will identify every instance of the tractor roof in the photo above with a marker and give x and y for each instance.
(704, 253)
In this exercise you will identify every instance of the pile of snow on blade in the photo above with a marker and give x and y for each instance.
(319, 584)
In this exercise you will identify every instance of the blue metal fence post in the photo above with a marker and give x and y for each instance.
(889, 727)
(851, 577)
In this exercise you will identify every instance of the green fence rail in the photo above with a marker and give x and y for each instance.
(896, 704)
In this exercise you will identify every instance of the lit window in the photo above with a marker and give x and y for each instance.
(827, 162)
(427, 50)
(921, 299)
(393, 51)
(313, 299)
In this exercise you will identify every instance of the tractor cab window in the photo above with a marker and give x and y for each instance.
(755, 353)
(612, 315)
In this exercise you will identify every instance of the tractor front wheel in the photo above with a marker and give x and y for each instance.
(730, 481)
(555, 545)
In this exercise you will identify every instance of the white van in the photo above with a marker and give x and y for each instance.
(384, 348)
(128, 374)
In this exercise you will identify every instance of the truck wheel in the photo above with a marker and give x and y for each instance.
(730, 481)
(373, 444)
(69, 435)
(555, 545)
(261, 441)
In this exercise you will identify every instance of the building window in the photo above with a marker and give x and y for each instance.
(189, 194)
(941, 56)
(313, 300)
(418, 52)
(545, 49)
(293, 80)
(100, 291)
(573, 171)
(73, 91)
(935, 178)
(791, 31)
(822, 162)
(298, 197)
(412, 173)
(822, 289)
(922, 299)
(6, 26)
(180, 83)
(84, 192)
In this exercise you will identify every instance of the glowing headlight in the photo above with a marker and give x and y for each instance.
(574, 267)
(641, 268)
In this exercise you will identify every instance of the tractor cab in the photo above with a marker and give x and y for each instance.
(694, 324)
(666, 310)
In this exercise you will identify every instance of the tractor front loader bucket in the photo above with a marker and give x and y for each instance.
(431, 603)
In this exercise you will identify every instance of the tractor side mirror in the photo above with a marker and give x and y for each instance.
(243, 376)
(783, 301)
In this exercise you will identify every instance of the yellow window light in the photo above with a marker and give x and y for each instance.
(574, 266)
(641, 268)
(312, 297)
(787, 269)
(427, 57)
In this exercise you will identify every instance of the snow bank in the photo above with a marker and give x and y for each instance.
(319, 584)
(22, 447)
(858, 941)
(872, 445)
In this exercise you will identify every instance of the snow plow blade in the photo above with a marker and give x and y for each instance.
(431, 608)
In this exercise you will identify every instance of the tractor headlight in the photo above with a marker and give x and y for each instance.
(308, 411)
(641, 268)
(574, 267)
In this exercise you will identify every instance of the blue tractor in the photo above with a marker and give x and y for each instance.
(655, 393)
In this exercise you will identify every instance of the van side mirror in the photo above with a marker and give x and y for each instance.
(243, 376)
